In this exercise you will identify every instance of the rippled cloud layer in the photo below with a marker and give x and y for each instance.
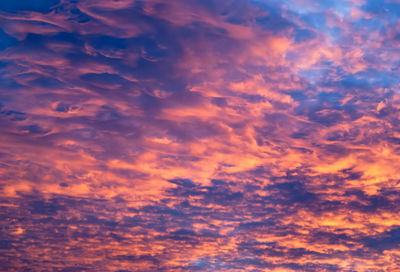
(199, 135)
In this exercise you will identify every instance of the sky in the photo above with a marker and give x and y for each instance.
(199, 135)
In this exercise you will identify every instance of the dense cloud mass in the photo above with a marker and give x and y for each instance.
(199, 135)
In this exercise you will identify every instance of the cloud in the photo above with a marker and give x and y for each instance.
(199, 135)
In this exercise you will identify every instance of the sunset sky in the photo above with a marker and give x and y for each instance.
(199, 135)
